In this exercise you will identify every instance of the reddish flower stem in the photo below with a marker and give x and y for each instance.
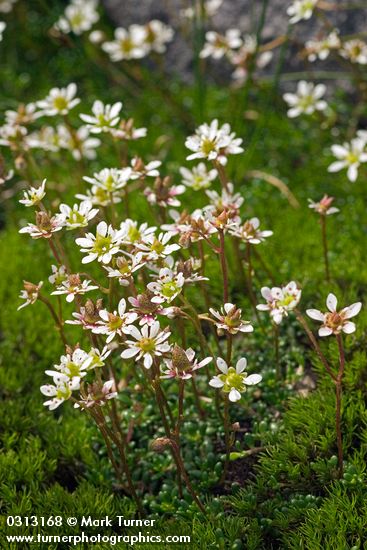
(325, 247)
(223, 264)
(338, 393)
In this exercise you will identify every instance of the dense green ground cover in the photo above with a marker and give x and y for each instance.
(289, 495)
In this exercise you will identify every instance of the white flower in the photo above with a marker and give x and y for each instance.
(234, 381)
(44, 226)
(79, 215)
(210, 9)
(362, 135)
(141, 170)
(244, 57)
(25, 114)
(58, 275)
(148, 343)
(14, 136)
(128, 44)
(306, 100)
(213, 142)
(335, 322)
(6, 5)
(110, 180)
(127, 131)
(47, 138)
(321, 48)
(88, 315)
(2, 29)
(99, 196)
(218, 45)
(355, 50)
(101, 246)
(97, 357)
(96, 36)
(34, 195)
(60, 392)
(79, 16)
(5, 176)
(105, 117)
(199, 177)
(350, 156)
(125, 266)
(115, 323)
(59, 101)
(167, 287)
(183, 364)
(74, 365)
(155, 248)
(132, 233)
(79, 142)
(164, 193)
(97, 394)
(30, 293)
(250, 232)
(147, 310)
(323, 207)
(280, 301)
(301, 9)
(228, 319)
(157, 34)
(227, 200)
(72, 286)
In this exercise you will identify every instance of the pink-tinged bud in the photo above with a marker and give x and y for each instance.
(160, 444)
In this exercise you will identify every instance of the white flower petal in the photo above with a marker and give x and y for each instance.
(352, 311)
(252, 379)
(331, 302)
(222, 365)
(234, 395)
(349, 327)
(216, 382)
(315, 314)
(241, 365)
(325, 331)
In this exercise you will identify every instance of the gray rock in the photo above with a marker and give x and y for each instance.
(242, 14)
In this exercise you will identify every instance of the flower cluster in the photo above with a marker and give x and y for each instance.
(280, 301)
(67, 375)
(138, 41)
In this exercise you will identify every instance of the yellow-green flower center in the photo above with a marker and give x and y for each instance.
(287, 300)
(102, 244)
(351, 158)
(114, 322)
(76, 218)
(207, 146)
(170, 289)
(157, 246)
(63, 392)
(60, 103)
(147, 345)
(232, 380)
(134, 234)
(73, 369)
(126, 45)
